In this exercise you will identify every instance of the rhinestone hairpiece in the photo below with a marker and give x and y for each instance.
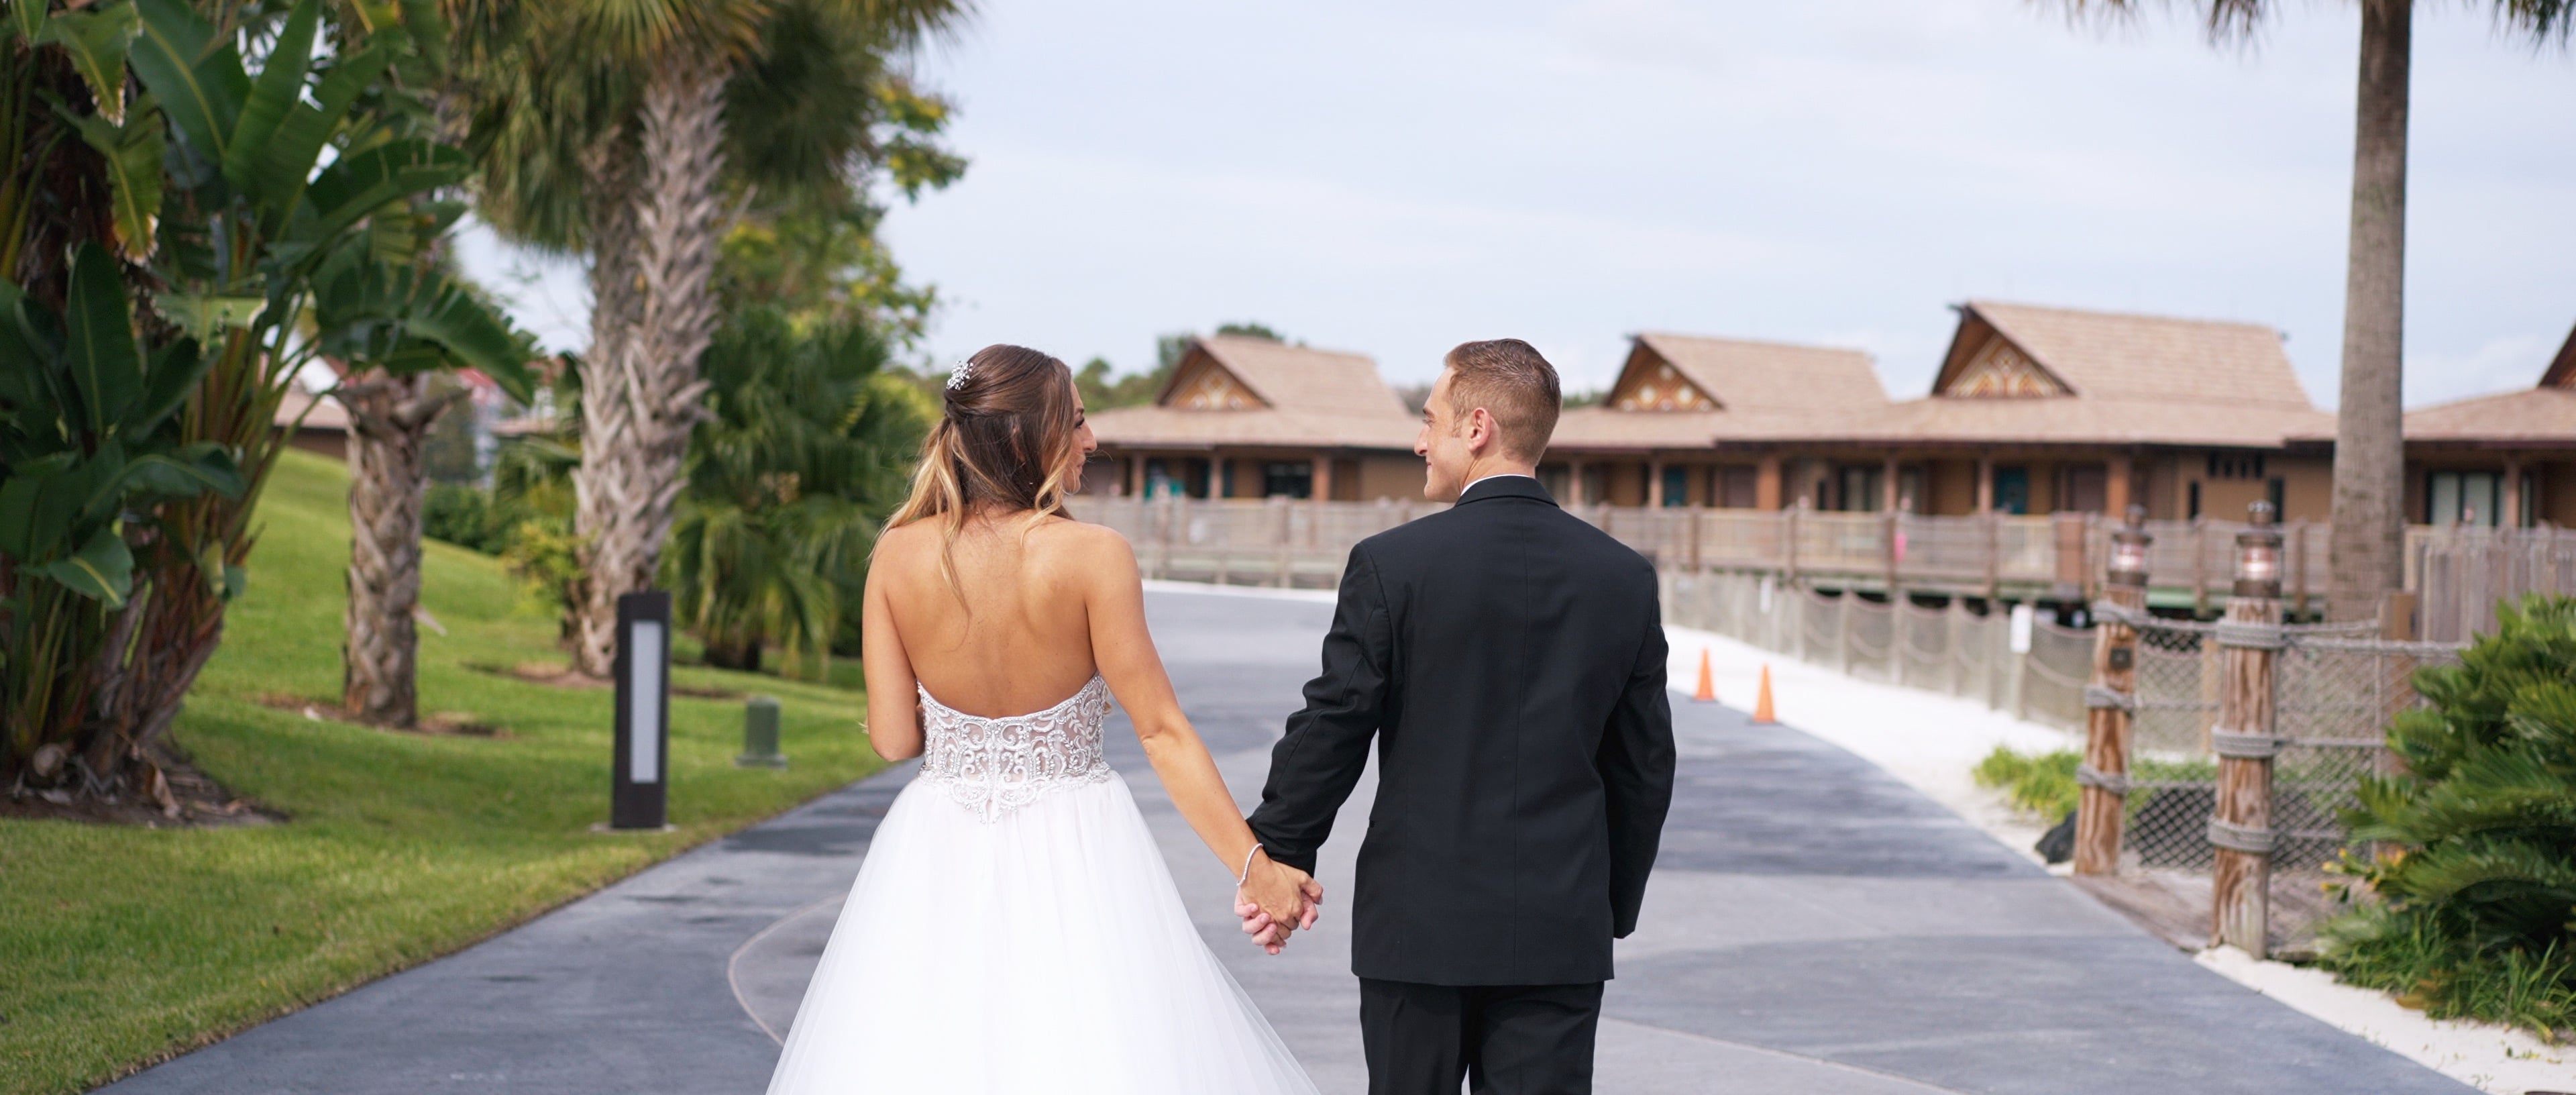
(958, 378)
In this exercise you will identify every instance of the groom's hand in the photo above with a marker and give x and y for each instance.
(1276, 901)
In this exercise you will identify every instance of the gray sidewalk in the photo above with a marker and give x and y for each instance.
(1813, 926)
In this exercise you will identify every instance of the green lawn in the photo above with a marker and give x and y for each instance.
(122, 946)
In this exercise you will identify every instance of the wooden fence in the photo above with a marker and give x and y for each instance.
(2458, 574)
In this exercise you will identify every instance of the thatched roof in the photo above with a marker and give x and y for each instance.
(2540, 416)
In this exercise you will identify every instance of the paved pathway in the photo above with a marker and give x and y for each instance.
(1814, 926)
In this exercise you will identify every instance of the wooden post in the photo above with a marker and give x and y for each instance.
(1766, 483)
(2510, 515)
(1321, 482)
(2249, 637)
(1654, 483)
(1985, 482)
(2199, 566)
(1573, 484)
(1136, 474)
(1285, 525)
(2110, 699)
(1789, 541)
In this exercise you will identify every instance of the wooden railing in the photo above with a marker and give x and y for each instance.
(2459, 574)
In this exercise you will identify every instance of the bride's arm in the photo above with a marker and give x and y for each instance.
(894, 713)
(1124, 649)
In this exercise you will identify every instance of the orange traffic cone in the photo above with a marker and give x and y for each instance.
(1707, 684)
(1762, 701)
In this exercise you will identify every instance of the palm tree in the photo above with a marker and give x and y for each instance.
(603, 130)
(2366, 544)
(802, 457)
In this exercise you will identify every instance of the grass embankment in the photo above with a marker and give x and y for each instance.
(120, 946)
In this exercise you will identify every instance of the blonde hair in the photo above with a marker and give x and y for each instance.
(1006, 440)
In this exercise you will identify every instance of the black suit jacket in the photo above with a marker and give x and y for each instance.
(1509, 661)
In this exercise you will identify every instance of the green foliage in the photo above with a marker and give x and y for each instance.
(807, 451)
(1101, 391)
(2485, 815)
(250, 199)
(822, 266)
(121, 944)
(2043, 784)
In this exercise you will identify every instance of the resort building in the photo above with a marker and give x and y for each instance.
(2034, 410)
(1246, 417)
(2500, 460)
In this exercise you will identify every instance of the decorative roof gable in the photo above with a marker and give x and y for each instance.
(2002, 371)
(1650, 383)
(1201, 384)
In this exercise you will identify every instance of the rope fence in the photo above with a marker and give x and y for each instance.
(2336, 689)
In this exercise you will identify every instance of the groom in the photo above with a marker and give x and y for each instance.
(1508, 660)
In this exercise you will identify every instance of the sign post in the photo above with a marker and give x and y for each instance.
(637, 796)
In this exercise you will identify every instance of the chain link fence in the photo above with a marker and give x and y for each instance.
(2335, 690)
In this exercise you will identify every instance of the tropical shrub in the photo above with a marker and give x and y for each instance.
(2479, 880)
(805, 452)
(192, 210)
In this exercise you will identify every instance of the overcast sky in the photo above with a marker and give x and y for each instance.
(1396, 178)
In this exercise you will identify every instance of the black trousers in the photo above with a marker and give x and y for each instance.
(1505, 1040)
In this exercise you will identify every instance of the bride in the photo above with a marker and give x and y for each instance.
(1014, 928)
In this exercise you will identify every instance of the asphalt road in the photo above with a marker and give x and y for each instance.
(1813, 926)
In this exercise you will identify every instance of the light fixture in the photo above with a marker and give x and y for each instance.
(638, 796)
(2129, 545)
(2258, 555)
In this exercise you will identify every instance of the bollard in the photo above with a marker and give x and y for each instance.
(760, 735)
(2109, 699)
(2241, 825)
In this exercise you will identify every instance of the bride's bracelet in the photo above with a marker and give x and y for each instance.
(1244, 875)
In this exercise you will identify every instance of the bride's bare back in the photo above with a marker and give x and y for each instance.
(1014, 633)
(1014, 612)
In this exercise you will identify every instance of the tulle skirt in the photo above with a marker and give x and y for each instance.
(1044, 951)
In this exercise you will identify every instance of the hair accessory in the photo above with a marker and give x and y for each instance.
(964, 372)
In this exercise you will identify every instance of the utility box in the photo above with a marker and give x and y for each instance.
(760, 735)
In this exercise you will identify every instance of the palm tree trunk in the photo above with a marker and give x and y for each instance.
(389, 420)
(653, 313)
(2366, 549)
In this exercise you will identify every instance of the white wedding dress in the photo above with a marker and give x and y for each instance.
(1014, 929)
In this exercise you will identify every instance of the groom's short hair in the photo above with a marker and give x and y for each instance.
(1508, 378)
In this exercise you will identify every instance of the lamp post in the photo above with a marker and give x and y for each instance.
(2110, 699)
(637, 794)
(2240, 827)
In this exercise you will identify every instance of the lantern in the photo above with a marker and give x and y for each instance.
(2129, 549)
(2258, 555)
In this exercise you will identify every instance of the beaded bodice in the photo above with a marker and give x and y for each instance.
(996, 766)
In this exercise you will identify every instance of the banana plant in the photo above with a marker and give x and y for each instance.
(226, 200)
(88, 452)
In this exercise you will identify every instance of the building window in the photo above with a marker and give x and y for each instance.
(2012, 490)
(1860, 488)
(2236, 465)
(2464, 498)
(1676, 485)
(1290, 479)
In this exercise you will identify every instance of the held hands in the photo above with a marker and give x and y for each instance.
(1275, 901)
